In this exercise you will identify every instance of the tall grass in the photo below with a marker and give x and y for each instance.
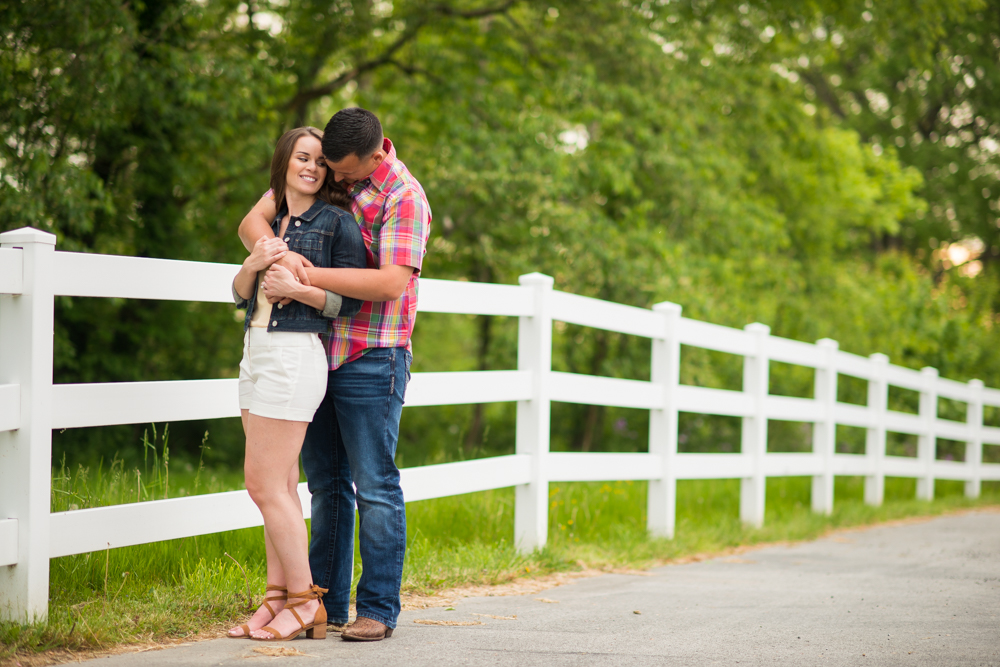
(180, 588)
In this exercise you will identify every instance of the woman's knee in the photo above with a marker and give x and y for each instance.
(258, 486)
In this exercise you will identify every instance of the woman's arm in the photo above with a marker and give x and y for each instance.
(265, 252)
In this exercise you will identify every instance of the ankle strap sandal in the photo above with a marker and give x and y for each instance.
(265, 603)
(314, 630)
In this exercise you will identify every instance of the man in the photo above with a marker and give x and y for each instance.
(353, 436)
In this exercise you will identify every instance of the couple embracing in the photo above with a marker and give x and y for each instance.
(330, 289)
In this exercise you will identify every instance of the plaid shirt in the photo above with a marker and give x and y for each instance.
(398, 236)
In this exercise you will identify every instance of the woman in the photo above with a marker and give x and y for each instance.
(283, 373)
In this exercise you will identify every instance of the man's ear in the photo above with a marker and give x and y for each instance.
(378, 156)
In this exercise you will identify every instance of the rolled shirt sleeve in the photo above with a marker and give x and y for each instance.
(333, 303)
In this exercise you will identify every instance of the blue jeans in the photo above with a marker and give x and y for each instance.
(353, 438)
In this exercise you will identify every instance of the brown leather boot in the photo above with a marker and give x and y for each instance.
(365, 630)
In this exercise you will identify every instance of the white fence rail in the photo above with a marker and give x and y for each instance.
(32, 274)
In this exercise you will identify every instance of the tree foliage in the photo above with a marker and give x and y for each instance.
(826, 168)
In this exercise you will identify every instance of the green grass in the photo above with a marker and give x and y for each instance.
(179, 588)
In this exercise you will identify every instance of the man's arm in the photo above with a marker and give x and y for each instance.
(402, 242)
(387, 283)
(257, 223)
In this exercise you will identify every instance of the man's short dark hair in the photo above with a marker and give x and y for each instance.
(351, 131)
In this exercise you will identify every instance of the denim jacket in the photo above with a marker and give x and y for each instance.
(329, 237)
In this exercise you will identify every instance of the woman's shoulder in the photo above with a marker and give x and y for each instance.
(331, 215)
(333, 211)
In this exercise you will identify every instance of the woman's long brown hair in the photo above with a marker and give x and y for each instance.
(331, 192)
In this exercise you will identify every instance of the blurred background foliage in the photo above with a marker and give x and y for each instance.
(828, 168)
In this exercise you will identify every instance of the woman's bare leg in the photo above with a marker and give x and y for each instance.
(272, 458)
(275, 575)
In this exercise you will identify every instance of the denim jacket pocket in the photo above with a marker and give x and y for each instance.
(309, 244)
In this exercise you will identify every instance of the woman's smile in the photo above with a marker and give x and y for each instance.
(306, 168)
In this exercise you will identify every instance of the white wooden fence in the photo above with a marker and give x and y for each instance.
(32, 274)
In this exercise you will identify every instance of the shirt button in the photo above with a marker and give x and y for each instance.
(286, 239)
(274, 323)
(280, 306)
(298, 223)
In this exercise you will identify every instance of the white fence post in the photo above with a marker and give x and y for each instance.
(974, 447)
(878, 403)
(753, 439)
(26, 332)
(534, 353)
(927, 440)
(661, 502)
(825, 431)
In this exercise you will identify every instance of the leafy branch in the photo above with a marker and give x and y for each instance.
(304, 96)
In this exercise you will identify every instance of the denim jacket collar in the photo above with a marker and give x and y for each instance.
(308, 216)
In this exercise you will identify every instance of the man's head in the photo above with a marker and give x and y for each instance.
(352, 145)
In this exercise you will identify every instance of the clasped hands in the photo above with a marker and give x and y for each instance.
(285, 269)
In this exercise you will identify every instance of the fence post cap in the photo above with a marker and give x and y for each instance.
(828, 342)
(976, 384)
(27, 235)
(668, 307)
(537, 280)
(757, 327)
(879, 358)
(929, 370)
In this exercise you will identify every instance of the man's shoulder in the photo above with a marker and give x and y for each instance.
(406, 188)
(402, 181)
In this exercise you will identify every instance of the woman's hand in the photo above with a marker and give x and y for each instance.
(279, 284)
(266, 252)
(297, 264)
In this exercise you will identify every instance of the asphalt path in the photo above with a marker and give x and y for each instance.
(918, 593)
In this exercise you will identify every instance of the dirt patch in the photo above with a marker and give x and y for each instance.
(279, 651)
(425, 621)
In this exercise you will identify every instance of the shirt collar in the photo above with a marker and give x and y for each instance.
(380, 176)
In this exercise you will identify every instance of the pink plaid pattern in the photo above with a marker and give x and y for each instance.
(400, 237)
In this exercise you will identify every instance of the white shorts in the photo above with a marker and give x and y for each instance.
(283, 374)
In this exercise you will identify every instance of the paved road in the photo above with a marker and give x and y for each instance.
(917, 594)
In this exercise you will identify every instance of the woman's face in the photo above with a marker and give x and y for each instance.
(306, 167)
